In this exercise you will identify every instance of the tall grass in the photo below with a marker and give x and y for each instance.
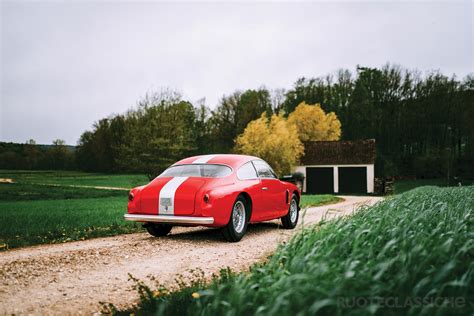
(401, 186)
(405, 185)
(409, 255)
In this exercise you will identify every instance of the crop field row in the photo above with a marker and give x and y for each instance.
(409, 255)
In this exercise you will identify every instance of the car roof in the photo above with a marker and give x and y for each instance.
(231, 160)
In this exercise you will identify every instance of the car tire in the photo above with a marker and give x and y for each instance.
(158, 230)
(290, 220)
(238, 222)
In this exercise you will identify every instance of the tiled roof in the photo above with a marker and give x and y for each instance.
(339, 152)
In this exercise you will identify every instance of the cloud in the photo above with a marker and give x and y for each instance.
(65, 65)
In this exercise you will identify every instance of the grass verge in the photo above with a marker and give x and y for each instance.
(319, 200)
(409, 255)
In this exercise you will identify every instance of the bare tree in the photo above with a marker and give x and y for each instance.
(277, 97)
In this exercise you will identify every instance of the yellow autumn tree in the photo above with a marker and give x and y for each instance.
(314, 124)
(273, 140)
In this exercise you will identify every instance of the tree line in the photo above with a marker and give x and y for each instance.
(163, 128)
(30, 156)
(422, 124)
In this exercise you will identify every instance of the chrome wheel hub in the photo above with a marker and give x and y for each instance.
(238, 216)
(293, 210)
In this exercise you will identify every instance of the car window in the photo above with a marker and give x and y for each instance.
(197, 170)
(247, 172)
(264, 170)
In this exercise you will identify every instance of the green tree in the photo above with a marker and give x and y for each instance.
(31, 154)
(157, 134)
(234, 113)
(58, 156)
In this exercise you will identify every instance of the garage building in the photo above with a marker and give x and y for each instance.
(342, 167)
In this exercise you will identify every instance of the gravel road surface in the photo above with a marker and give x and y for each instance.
(72, 278)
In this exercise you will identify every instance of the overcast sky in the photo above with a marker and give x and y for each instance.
(64, 65)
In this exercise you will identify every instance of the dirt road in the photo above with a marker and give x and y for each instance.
(73, 278)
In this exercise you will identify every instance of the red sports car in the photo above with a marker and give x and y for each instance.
(227, 191)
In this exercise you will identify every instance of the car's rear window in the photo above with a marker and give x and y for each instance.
(197, 170)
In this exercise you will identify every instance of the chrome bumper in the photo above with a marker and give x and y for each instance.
(185, 220)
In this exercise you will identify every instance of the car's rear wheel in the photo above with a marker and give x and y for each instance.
(290, 220)
(237, 226)
(158, 230)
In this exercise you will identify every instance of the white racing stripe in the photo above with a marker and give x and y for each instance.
(166, 196)
(204, 159)
(168, 192)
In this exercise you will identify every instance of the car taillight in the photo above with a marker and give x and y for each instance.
(131, 196)
(206, 198)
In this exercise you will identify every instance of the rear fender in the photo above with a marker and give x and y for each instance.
(219, 206)
(134, 206)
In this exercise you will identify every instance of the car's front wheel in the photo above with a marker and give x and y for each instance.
(158, 230)
(237, 226)
(290, 220)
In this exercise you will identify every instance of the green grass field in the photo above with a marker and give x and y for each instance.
(75, 178)
(50, 221)
(47, 207)
(34, 214)
(412, 254)
(33, 192)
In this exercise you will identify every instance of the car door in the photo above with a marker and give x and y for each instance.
(273, 192)
(251, 182)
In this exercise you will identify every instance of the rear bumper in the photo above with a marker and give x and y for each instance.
(170, 219)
